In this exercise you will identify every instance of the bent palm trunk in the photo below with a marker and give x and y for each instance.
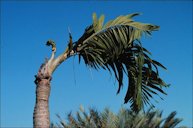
(41, 116)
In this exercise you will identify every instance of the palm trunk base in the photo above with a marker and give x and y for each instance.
(41, 115)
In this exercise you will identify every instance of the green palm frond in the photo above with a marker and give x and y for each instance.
(116, 47)
(108, 119)
(125, 118)
(171, 121)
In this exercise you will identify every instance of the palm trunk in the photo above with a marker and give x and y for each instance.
(41, 115)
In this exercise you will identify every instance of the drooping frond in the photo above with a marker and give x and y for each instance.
(116, 47)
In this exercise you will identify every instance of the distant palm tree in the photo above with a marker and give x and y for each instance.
(114, 46)
(124, 119)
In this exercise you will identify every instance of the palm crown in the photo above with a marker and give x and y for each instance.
(125, 118)
(116, 47)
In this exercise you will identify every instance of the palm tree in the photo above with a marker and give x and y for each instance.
(125, 118)
(115, 47)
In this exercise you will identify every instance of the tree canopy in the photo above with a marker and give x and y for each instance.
(125, 118)
(116, 47)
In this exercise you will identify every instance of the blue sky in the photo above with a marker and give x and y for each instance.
(26, 26)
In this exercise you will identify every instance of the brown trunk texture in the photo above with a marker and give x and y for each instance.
(41, 115)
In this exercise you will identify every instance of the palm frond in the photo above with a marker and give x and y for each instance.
(171, 121)
(125, 118)
(116, 47)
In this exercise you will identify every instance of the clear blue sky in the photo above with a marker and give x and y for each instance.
(26, 26)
